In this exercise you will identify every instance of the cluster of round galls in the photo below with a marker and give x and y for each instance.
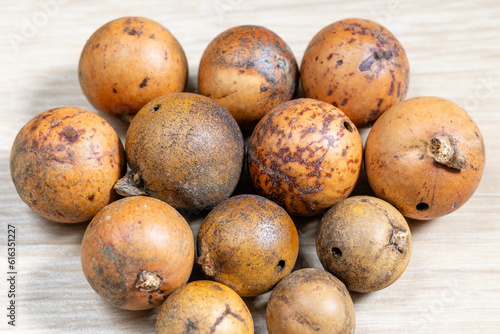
(423, 157)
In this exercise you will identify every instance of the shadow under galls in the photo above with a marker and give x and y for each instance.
(416, 226)
(358, 297)
(192, 84)
(59, 230)
(67, 233)
(307, 229)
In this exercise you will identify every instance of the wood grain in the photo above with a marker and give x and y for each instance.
(452, 284)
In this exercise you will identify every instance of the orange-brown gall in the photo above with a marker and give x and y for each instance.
(249, 70)
(248, 243)
(358, 66)
(128, 62)
(365, 242)
(310, 301)
(64, 163)
(425, 156)
(305, 155)
(136, 251)
(204, 307)
(184, 149)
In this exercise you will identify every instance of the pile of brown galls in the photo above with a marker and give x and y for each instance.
(423, 158)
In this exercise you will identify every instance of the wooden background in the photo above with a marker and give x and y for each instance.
(452, 284)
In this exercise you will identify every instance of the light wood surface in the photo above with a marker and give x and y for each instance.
(452, 284)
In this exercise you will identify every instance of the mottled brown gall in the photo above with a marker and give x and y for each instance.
(184, 149)
(248, 243)
(305, 155)
(425, 156)
(64, 163)
(136, 251)
(249, 70)
(128, 62)
(358, 66)
(310, 301)
(365, 242)
(204, 307)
